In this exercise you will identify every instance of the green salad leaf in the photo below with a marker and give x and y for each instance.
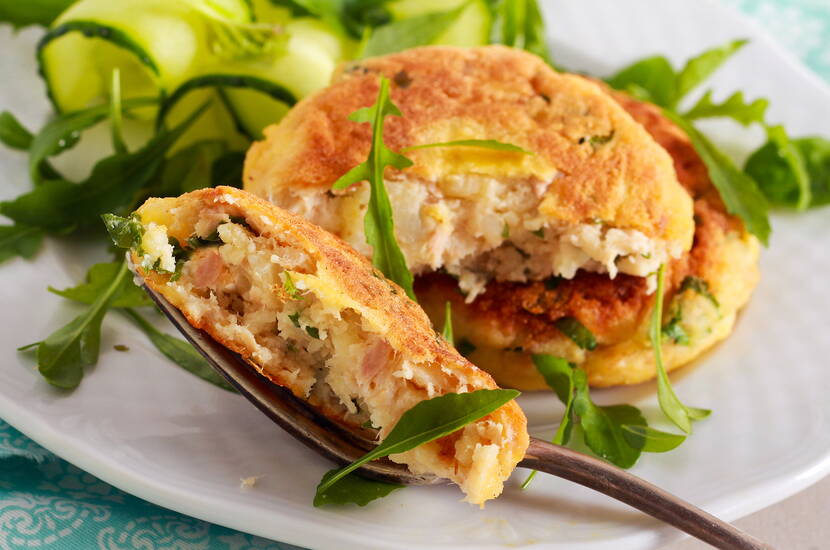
(411, 32)
(734, 107)
(179, 352)
(652, 79)
(62, 356)
(425, 422)
(602, 426)
(13, 134)
(446, 332)
(519, 24)
(58, 204)
(650, 440)
(576, 331)
(126, 296)
(227, 170)
(98, 278)
(191, 168)
(479, 143)
(22, 13)
(739, 191)
(377, 222)
(794, 173)
(353, 489)
(681, 415)
(19, 240)
(64, 131)
(701, 67)
(558, 375)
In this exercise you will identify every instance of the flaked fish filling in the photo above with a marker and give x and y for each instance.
(481, 228)
(268, 298)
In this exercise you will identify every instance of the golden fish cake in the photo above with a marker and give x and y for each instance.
(313, 315)
(510, 321)
(597, 193)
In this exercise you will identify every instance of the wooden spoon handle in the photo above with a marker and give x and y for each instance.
(638, 493)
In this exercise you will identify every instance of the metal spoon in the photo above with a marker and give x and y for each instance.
(343, 446)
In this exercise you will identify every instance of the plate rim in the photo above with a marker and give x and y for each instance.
(734, 506)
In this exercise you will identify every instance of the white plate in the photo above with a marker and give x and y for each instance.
(144, 426)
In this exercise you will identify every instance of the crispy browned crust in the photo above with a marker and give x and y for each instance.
(485, 93)
(409, 331)
(617, 310)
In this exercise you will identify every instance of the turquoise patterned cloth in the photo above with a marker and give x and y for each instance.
(45, 502)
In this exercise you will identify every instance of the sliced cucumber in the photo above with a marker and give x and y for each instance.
(251, 102)
(216, 123)
(156, 44)
(241, 11)
(268, 11)
(259, 93)
(471, 29)
(310, 57)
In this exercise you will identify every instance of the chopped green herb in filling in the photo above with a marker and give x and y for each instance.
(288, 285)
(701, 287)
(576, 331)
(674, 331)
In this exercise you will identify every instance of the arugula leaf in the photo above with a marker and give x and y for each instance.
(816, 154)
(425, 422)
(22, 13)
(700, 67)
(792, 157)
(734, 107)
(739, 191)
(652, 79)
(519, 24)
(180, 352)
(446, 332)
(377, 222)
(403, 34)
(19, 240)
(558, 375)
(602, 426)
(792, 172)
(98, 278)
(64, 131)
(650, 440)
(13, 134)
(227, 170)
(190, 168)
(480, 143)
(677, 412)
(576, 331)
(62, 356)
(353, 489)
(58, 204)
